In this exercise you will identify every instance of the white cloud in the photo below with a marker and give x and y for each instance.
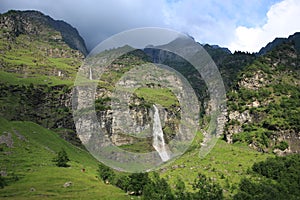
(226, 22)
(281, 22)
(214, 21)
(207, 21)
(96, 20)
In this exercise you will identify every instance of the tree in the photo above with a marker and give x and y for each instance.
(2, 182)
(157, 188)
(278, 178)
(137, 182)
(61, 159)
(206, 189)
(122, 182)
(106, 173)
(180, 193)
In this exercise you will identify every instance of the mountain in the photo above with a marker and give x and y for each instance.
(295, 38)
(228, 64)
(264, 104)
(15, 23)
(39, 61)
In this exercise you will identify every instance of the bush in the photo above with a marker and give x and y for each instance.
(2, 182)
(251, 190)
(122, 182)
(180, 191)
(61, 159)
(282, 145)
(158, 188)
(137, 182)
(206, 189)
(106, 173)
(278, 179)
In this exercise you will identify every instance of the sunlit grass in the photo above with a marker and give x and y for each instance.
(30, 160)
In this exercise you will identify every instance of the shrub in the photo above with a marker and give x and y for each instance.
(106, 173)
(137, 182)
(61, 159)
(282, 145)
(158, 188)
(206, 189)
(2, 182)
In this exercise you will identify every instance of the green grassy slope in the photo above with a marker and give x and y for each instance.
(28, 165)
(37, 70)
(226, 164)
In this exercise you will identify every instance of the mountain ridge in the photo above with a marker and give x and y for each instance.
(23, 19)
(278, 41)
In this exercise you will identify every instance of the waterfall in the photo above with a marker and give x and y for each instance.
(158, 137)
(91, 74)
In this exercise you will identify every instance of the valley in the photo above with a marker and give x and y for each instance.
(39, 61)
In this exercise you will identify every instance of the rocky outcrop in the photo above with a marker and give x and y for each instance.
(254, 82)
(141, 119)
(49, 106)
(7, 139)
(237, 119)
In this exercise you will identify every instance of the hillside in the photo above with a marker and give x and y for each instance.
(295, 39)
(38, 64)
(39, 49)
(26, 154)
(264, 103)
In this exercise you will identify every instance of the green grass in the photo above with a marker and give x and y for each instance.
(19, 79)
(162, 96)
(141, 146)
(226, 164)
(30, 160)
(38, 60)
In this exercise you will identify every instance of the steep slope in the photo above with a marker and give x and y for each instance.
(16, 23)
(38, 64)
(295, 38)
(26, 154)
(264, 104)
(229, 64)
(31, 45)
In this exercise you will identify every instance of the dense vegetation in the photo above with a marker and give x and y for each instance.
(151, 186)
(275, 178)
(268, 90)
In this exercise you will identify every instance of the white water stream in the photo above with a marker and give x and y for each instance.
(91, 74)
(158, 137)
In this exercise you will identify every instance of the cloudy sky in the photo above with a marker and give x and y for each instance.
(245, 25)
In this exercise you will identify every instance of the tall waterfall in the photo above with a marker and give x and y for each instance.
(158, 137)
(91, 74)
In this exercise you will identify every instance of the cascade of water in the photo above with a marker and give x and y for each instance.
(158, 137)
(91, 74)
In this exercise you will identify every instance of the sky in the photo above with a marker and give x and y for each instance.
(244, 25)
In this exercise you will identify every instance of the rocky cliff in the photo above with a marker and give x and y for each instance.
(131, 125)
